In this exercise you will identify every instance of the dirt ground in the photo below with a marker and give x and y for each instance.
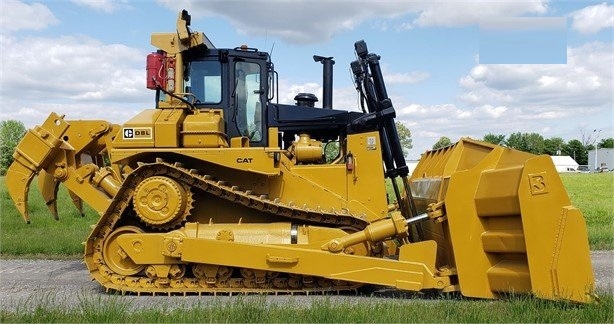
(26, 284)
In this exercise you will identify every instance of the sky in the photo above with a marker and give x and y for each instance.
(86, 59)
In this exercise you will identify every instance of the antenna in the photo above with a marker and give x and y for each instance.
(271, 51)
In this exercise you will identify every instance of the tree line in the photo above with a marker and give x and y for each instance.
(537, 144)
(11, 132)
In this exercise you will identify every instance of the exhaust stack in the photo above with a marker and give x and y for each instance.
(327, 80)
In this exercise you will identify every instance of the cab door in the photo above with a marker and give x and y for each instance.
(247, 100)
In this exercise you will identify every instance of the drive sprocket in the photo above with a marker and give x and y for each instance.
(162, 202)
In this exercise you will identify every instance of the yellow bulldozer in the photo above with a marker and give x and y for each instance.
(221, 189)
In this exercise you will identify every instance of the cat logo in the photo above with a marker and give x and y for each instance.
(137, 133)
(244, 160)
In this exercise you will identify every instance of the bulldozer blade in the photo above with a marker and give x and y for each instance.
(510, 225)
(78, 202)
(48, 187)
(18, 179)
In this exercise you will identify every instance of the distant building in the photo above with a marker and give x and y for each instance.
(564, 163)
(411, 165)
(605, 158)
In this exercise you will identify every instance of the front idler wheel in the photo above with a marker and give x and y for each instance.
(115, 257)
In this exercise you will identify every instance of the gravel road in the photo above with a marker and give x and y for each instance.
(26, 284)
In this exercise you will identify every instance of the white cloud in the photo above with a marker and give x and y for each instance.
(405, 78)
(293, 21)
(17, 15)
(462, 13)
(490, 111)
(78, 68)
(381, 25)
(108, 6)
(592, 19)
(430, 122)
(503, 99)
(310, 22)
(79, 76)
(546, 81)
(405, 26)
(435, 114)
(585, 81)
(73, 75)
(34, 113)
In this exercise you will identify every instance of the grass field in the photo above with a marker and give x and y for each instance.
(593, 194)
(44, 236)
(49, 238)
(256, 309)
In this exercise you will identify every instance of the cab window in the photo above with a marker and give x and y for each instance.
(205, 81)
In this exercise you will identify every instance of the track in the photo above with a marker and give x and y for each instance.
(26, 284)
(110, 272)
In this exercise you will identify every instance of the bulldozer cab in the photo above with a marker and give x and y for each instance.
(235, 81)
(189, 72)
